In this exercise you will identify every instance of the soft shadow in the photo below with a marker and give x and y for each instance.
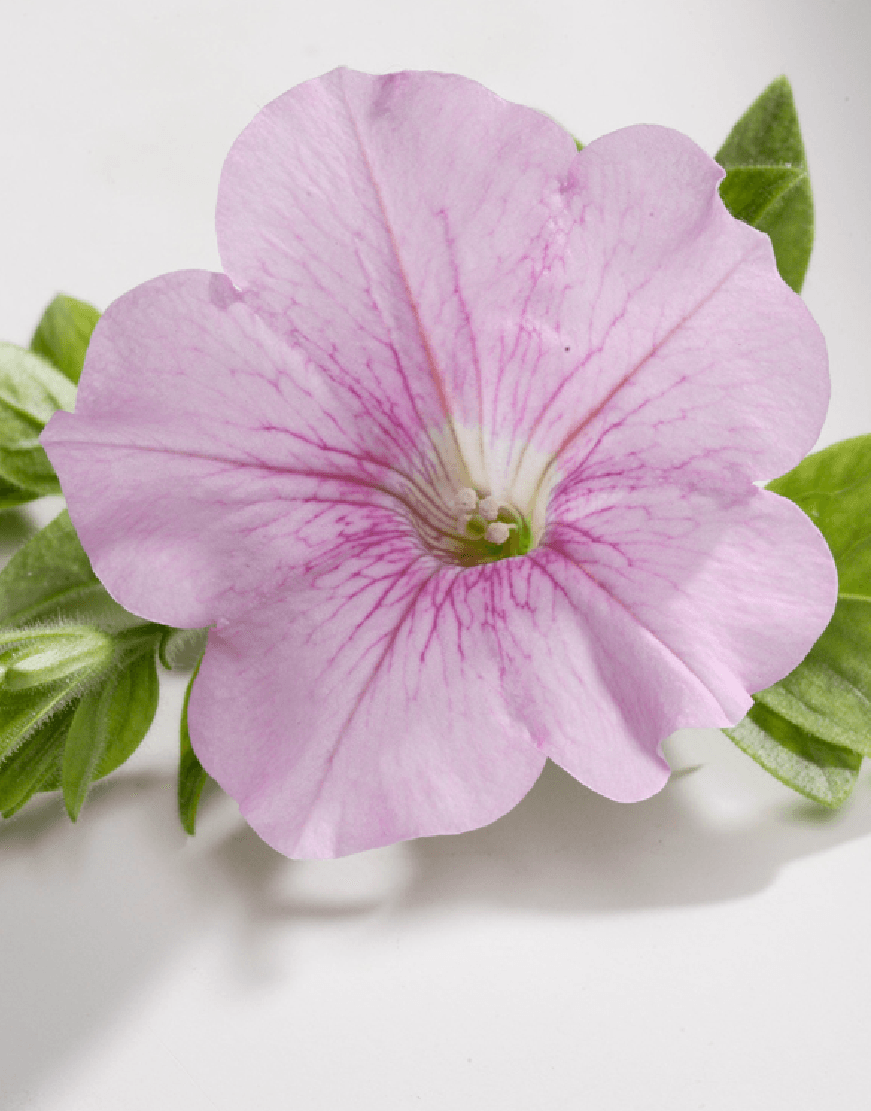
(90, 915)
(93, 915)
(565, 849)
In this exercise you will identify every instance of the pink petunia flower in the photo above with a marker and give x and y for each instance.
(457, 461)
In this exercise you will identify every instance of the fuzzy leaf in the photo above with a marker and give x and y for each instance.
(31, 389)
(43, 670)
(36, 765)
(767, 183)
(111, 720)
(63, 334)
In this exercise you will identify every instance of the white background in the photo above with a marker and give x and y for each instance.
(706, 949)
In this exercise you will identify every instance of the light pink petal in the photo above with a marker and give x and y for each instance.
(202, 446)
(433, 285)
(736, 586)
(548, 298)
(608, 646)
(367, 708)
(688, 351)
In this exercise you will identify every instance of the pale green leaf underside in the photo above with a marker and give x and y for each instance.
(820, 771)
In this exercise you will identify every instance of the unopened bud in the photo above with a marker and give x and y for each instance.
(35, 657)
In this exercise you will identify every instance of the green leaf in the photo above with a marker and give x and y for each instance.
(112, 719)
(51, 577)
(767, 183)
(192, 776)
(181, 649)
(12, 495)
(31, 389)
(829, 693)
(36, 765)
(820, 771)
(827, 698)
(63, 334)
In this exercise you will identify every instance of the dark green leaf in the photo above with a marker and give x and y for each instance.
(51, 577)
(35, 765)
(12, 495)
(192, 776)
(111, 720)
(63, 334)
(767, 183)
(820, 771)
(31, 389)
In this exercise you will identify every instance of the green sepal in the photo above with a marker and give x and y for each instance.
(36, 765)
(192, 776)
(63, 334)
(767, 183)
(820, 771)
(31, 389)
(111, 720)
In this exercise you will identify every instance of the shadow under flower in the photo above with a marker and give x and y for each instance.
(92, 915)
(565, 849)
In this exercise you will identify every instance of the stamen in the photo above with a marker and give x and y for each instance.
(465, 500)
(498, 532)
(489, 508)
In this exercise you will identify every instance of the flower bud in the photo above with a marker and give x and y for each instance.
(35, 657)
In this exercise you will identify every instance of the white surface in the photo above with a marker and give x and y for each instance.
(706, 949)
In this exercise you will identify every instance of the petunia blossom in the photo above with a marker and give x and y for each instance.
(458, 460)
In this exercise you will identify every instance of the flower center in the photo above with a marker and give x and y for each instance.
(487, 529)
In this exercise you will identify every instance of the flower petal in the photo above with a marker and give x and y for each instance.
(687, 350)
(354, 212)
(608, 646)
(536, 295)
(365, 709)
(191, 481)
(705, 574)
